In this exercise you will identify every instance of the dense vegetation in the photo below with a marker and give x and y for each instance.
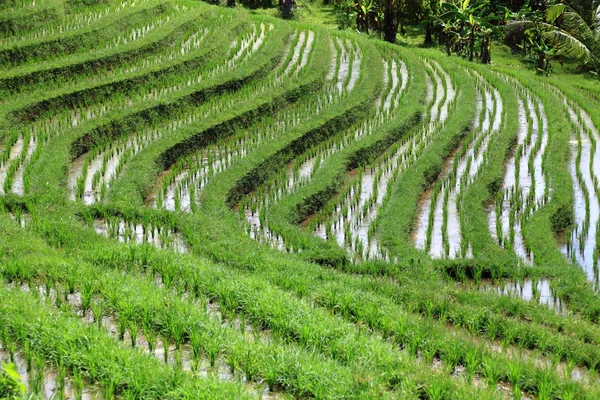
(205, 202)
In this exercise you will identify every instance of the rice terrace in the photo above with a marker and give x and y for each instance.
(332, 200)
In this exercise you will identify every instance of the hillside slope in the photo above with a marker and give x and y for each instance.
(200, 202)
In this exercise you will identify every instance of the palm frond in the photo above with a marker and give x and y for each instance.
(569, 46)
(576, 26)
(596, 21)
(555, 11)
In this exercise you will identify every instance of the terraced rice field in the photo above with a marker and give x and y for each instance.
(198, 202)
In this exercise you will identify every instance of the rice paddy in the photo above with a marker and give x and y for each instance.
(203, 202)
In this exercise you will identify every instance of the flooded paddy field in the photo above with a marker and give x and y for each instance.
(199, 201)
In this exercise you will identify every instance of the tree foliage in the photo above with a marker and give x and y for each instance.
(467, 29)
(558, 32)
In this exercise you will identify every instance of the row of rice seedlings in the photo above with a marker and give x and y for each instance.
(300, 322)
(524, 188)
(46, 381)
(300, 55)
(341, 296)
(353, 304)
(11, 152)
(95, 356)
(91, 174)
(166, 342)
(19, 4)
(152, 91)
(352, 222)
(90, 108)
(178, 188)
(537, 290)
(70, 22)
(140, 232)
(18, 213)
(395, 80)
(80, 69)
(185, 330)
(16, 158)
(167, 43)
(439, 224)
(190, 43)
(128, 28)
(299, 171)
(255, 206)
(583, 245)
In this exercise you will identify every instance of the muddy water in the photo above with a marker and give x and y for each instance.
(247, 43)
(262, 234)
(540, 181)
(436, 246)
(110, 160)
(404, 80)
(526, 176)
(198, 171)
(510, 174)
(260, 231)
(94, 167)
(428, 89)
(302, 175)
(420, 234)
(333, 63)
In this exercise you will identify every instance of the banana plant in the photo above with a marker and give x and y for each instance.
(464, 25)
(364, 8)
(561, 32)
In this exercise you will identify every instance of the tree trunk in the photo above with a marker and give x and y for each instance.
(541, 63)
(390, 27)
(472, 44)
(486, 55)
(429, 34)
